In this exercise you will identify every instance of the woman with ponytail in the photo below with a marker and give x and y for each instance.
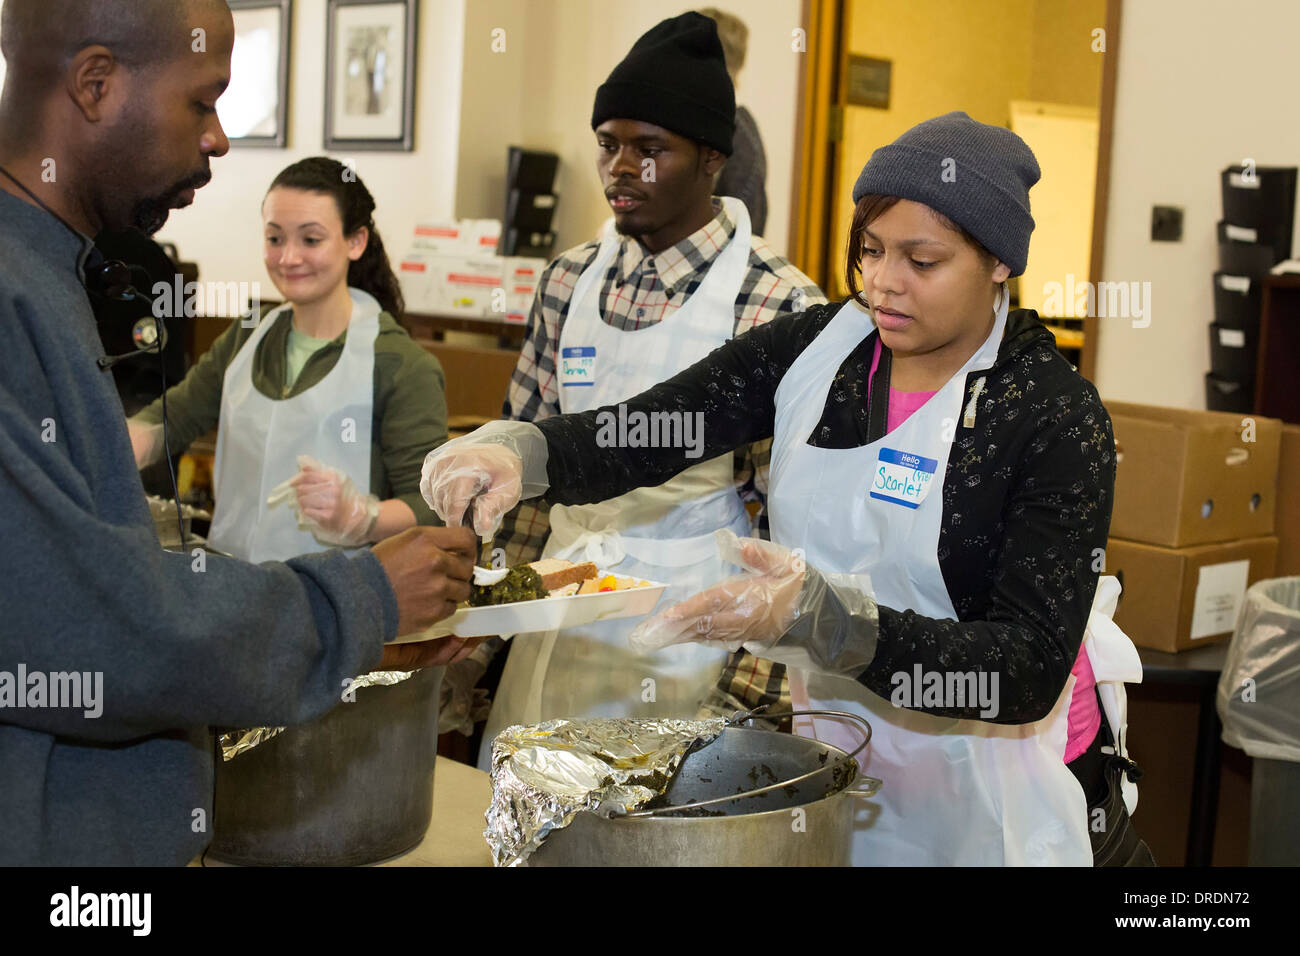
(326, 408)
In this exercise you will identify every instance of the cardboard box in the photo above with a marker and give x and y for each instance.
(440, 237)
(1188, 477)
(458, 237)
(523, 275)
(480, 237)
(468, 284)
(480, 286)
(1176, 599)
(1288, 503)
(415, 276)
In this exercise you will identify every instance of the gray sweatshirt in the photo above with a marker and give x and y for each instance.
(85, 589)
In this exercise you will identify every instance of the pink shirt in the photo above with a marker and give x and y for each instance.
(1084, 718)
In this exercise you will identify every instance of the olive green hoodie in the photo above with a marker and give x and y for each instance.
(410, 410)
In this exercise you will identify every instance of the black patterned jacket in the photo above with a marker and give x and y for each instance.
(1026, 498)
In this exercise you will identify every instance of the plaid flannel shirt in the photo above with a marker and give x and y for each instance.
(638, 290)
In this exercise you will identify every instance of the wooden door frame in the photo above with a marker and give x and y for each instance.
(813, 185)
(1101, 191)
(815, 161)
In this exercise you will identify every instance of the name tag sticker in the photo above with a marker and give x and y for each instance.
(902, 478)
(578, 366)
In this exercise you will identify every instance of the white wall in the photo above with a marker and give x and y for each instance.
(471, 104)
(222, 230)
(1201, 85)
(539, 94)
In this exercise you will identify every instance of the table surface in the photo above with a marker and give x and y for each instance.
(461, 795)
(1201, 665)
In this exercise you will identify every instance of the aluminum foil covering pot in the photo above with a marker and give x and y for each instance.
(544, 776)
(235, 742)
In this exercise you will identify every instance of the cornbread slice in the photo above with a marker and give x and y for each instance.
(556, 572)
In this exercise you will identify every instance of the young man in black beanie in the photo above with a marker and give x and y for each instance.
(676, 274)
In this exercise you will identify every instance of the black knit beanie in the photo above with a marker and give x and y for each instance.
(975, 174)
(676, 77)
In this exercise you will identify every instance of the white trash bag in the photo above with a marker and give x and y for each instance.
(1259, 689)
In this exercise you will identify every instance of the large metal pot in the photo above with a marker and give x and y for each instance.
(354, 786)
(749, 798)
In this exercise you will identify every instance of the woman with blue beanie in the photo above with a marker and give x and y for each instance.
(940, 497)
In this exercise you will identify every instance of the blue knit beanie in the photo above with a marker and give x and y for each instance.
(976, 175)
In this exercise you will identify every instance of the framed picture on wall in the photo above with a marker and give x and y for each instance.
(254, 110)
(370, 75)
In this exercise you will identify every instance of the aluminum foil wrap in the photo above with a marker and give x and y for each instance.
(544, 776)
(235, 742)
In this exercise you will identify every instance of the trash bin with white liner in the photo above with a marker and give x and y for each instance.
(1259, 704)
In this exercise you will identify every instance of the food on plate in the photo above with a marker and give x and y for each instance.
(550, 577)
(556, 572)
(611, 582)
(522, 583)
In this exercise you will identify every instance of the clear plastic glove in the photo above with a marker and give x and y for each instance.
(780, 609)
(146, 442)
(491, 469)
(758, 606)
(331, 506)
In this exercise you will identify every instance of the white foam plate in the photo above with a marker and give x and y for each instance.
(546, 614)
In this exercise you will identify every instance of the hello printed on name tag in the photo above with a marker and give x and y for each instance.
(902, 478)
(578, 366)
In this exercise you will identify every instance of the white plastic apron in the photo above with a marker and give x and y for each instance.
(955, 792)
(1115, 661)
(663, 533)
(259, 440)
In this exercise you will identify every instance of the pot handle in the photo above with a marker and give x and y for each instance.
(743, 716)
(864, 786)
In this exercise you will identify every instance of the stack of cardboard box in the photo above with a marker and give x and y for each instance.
(452, 268)
(1196, 500)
